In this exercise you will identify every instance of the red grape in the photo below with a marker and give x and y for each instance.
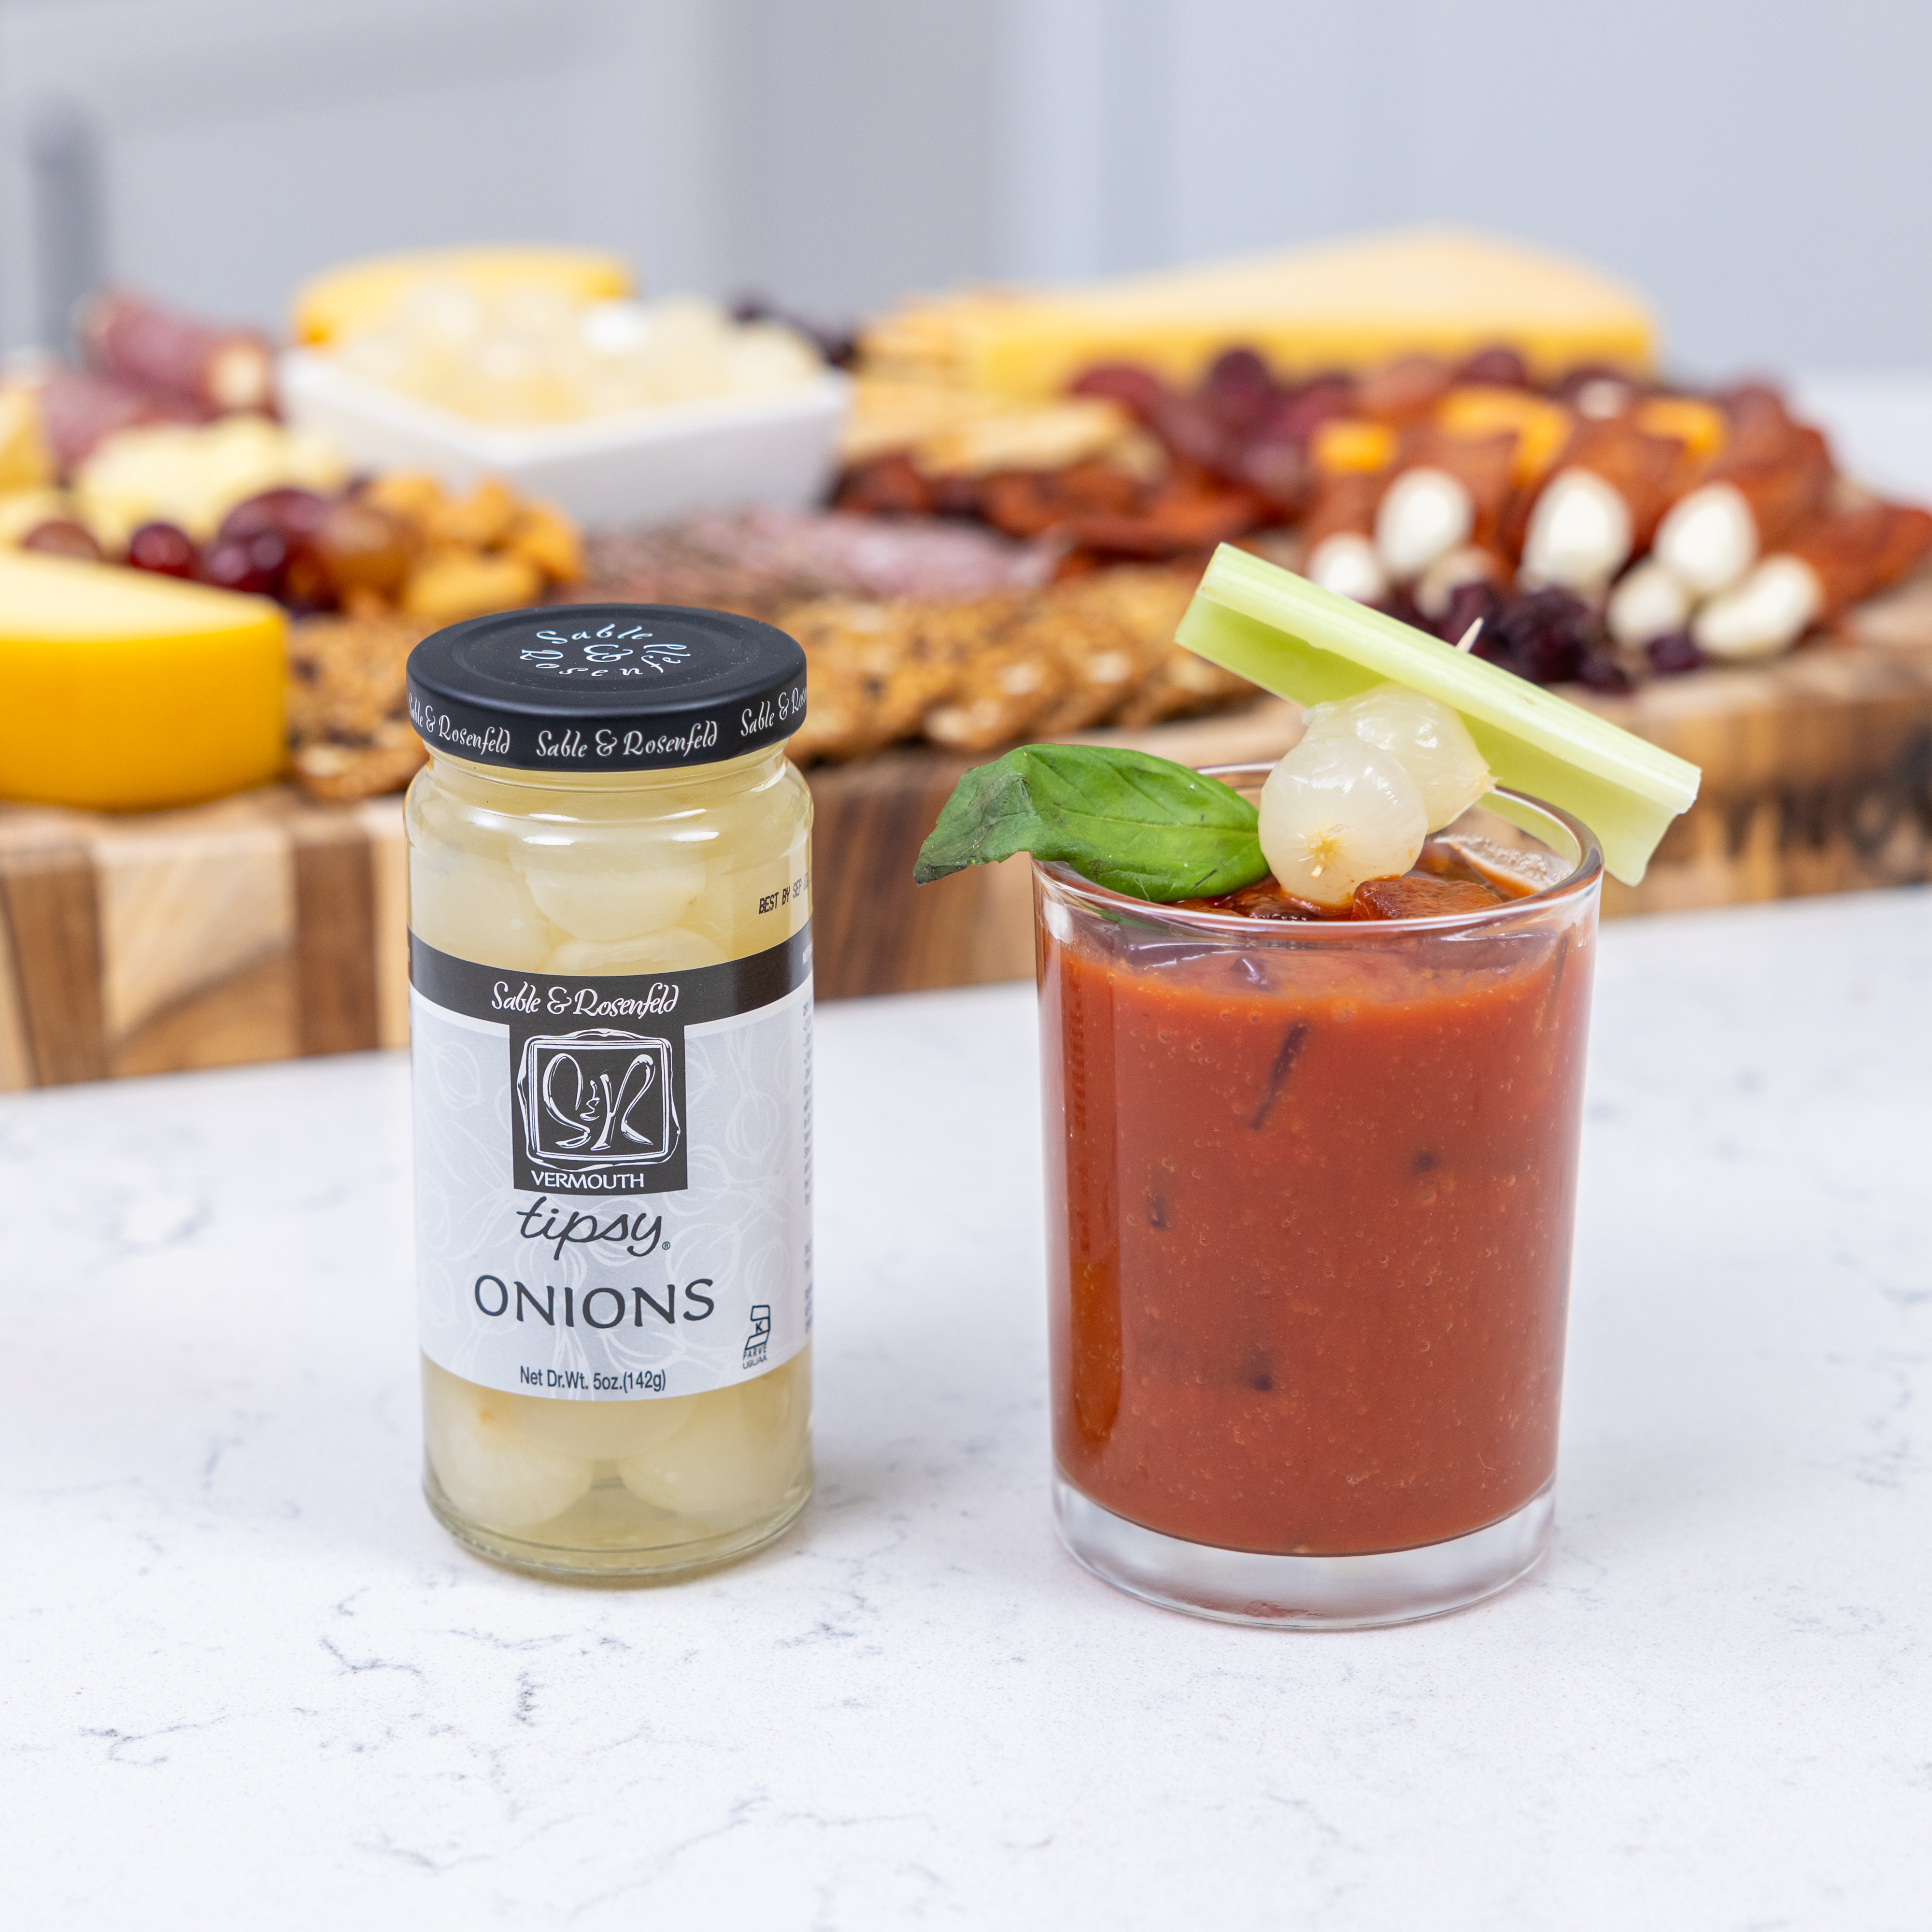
(163, 549)
(1404, 390)
(1672, 654)
(1499, 365)
(290, 512)
(1195, 434)
(60, 536)
(250, 563)
(1240, 390)
(1281, 472)
(1597, 670)
(1137, 389)
(1297, 419)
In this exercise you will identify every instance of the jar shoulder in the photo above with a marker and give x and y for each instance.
(765, 802)
(665, 877)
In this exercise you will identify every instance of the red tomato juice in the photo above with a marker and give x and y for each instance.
(1309, 1211)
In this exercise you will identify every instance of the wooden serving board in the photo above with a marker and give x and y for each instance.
(258, 928)
(264, 927)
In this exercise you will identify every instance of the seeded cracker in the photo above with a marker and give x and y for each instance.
(349, 734)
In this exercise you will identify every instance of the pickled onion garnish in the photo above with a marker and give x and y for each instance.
(1336, 811)
(1429, 742)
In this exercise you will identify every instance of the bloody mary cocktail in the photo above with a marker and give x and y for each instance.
(1310, 1192)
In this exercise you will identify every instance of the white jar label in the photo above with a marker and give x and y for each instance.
(613, 1174)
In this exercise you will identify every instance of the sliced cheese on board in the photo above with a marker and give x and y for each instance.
(1309, 645)
(360, 295)
(1348, 304)
(120, 690)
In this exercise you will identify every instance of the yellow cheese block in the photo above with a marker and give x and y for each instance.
(25, 461)
(360, 295)
(120, 690)
(1351, 304)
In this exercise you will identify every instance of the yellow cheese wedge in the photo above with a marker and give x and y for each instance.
(120, 690)
(1349, 304)
(360, 295)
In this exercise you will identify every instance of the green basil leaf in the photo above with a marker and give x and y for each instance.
(1134, 823)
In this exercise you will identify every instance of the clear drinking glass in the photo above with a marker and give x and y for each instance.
(1311, 1187)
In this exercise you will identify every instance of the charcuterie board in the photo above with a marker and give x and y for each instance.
(263, 927)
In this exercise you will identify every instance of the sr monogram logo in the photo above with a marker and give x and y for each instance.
(598, 1101)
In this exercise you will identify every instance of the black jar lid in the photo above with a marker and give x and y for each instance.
(606, 688)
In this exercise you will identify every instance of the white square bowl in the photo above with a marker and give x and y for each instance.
(644, 466)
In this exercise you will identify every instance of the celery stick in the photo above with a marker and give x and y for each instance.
(1307, 645)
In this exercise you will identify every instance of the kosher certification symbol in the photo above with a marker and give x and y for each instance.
(760, 1338)
(597, 1100)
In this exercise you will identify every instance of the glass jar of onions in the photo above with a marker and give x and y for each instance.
(610, 967)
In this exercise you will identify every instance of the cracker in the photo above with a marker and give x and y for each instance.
(1183, 686)
(872, 672)
(1010, 675)
(341, 774)
(348, 706)
(1114, 630)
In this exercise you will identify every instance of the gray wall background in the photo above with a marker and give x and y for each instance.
(1761, 172)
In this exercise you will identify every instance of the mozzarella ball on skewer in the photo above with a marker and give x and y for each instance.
(1648, 602)
(1424, 512)
(1708, 539)
(1436, 589)
(1766, 613)
(1346, 563)
(1580, 533)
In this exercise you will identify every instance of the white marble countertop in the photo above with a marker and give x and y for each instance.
(248, 1680)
